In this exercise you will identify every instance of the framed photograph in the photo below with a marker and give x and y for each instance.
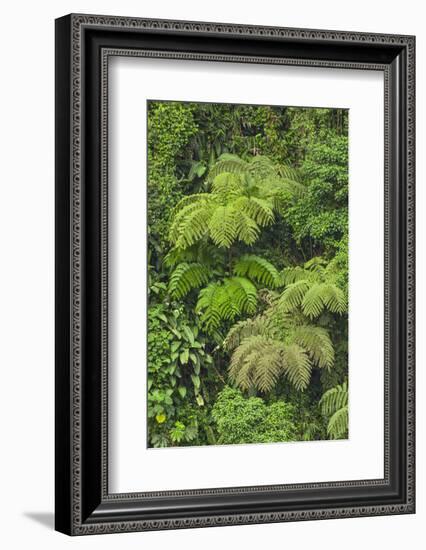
(234, 274)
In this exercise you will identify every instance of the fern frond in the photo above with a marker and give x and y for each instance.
(247, 230)
(189, 199)
(297, 366)
(225, 301)
(175, 256)
(245, 195)
(261, 167)
(243, 293)
(191, 223)
(202, 252)
(290, 275)
(244, 329)
(240, 370)
(258, 269)
(256, 363)
(222, 226)
(283, 187)
(227, 186)
(261, 210)
(334, 298)
(317, 343)
(313, 303)
(313, 297)
(293, 295)
(263, 352)
(244, 376)
(209, 305)
(287, 172)
(259, 362)
(325, 295)
(186, 277)
(181, 215)
(269, 366)
(317, 263)
(338, 424)
(334, 399)
(228, 163)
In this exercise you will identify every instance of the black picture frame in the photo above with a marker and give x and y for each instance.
(83, 45)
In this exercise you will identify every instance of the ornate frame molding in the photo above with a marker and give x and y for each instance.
(72, 48)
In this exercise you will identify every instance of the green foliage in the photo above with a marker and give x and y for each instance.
(177, 356)
(226, 300)
(338, 424)
(312, 289)
(187, 277)
(334, 405)
(269, 350)
(239, 197)
(181, 433)
(257, 269)
(170, 125)
(239, 205)
(321, 216)
(272, 345)
(244, 197)
(251, 420)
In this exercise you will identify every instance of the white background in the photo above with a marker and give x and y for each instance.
(26, 302)
(360, 457)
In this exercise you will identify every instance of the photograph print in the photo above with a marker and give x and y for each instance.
(247, 274)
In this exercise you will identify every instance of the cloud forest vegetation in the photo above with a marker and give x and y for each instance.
(248, 274)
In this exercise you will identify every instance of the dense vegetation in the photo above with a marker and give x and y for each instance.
(248, 274)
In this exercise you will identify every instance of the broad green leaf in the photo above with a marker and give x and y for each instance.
(200, 400)
(174, 346)
(189, 334)
(184, 356)
(196, 381)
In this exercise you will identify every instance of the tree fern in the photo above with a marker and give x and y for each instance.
(338, 424)
(312, 290)
(244, 197)
(202, 252)
(209, 305)
(242, 292)
(290, 275)
(289, 350)
(259, 209)
(244, 329)
(226, 300)
(334, 399)
(187, 277)
(293, 295)
(257, 269)
(297, 366)
(334, 404)
(227, 186)
(317, 343)
(246, 228)
(257, 362)
(190, 223)
(229, 163)
(222, 227)
(334, 298)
